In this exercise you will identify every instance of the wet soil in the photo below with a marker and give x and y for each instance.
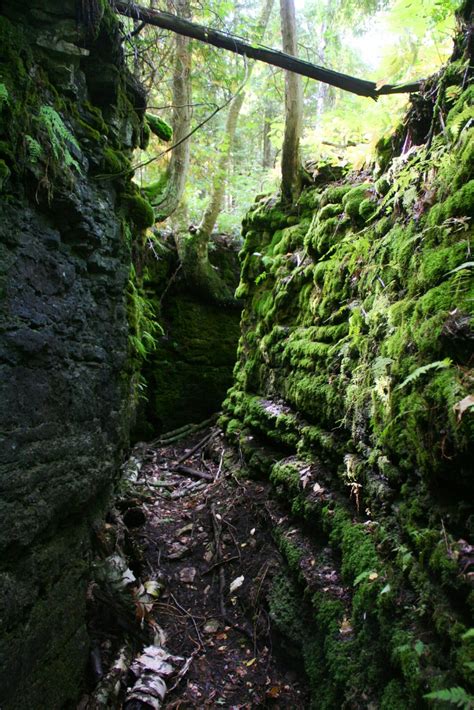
(207, 544)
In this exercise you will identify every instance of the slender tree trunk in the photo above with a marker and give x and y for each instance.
(219, 183)
(220, 176)
(268, 154)
(181, 121)
(195, 258)
(290, 157)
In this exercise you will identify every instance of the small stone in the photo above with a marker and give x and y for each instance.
(187, 575)
(211, 626)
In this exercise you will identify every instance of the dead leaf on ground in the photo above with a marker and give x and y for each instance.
(463, 405)
(238, 582)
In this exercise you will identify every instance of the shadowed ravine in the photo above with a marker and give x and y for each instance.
(308, 546)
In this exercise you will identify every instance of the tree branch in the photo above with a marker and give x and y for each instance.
(231, 43)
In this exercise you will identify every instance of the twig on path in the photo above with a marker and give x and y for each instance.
(185, 611)
(187, 471)
(217, 564)
(176, 434)
(184, 669)
(216, 527)
(195, 487)
(157, 484)
(198, 446)
(219, 470)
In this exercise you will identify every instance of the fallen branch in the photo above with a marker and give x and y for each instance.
(234, 44)
(185, 611)
(187, 471)
(184, 669)
(150, 669)
(196, 448)
(170, 437)
(219, 563)
(108, 689)
(195, 487)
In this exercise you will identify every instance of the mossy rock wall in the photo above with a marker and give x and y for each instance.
(353, 393)
(188, 373)
(66, 109)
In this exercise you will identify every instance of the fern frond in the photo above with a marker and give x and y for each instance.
(34, 149)
(59, 137)
(413, 376)
(4, 95)
(454, 696)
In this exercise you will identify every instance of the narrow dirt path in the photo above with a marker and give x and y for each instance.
(206, 541)
(207, 546)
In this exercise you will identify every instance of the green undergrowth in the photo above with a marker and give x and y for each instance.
(355, 371)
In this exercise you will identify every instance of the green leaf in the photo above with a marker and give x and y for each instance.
(419, 647)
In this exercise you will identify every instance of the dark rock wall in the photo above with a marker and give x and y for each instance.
(353, 394)
(68, 124)
(190, 370)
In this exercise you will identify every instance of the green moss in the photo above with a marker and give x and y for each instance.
(154, 190)
(364, 334)
(285, 610)
(460, 203)
(116, 163)
(140, 211)
(310, 199)
(85, 130)
(330, 210)
(334, 194)
(395, 697)
(4, 173)
(287, 474)
(95, 118)
(159, 127)
(367, 208)
(382, 186)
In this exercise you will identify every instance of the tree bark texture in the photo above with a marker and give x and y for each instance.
(181, 121)
(290, 154)
(269, 56)
(268, 154)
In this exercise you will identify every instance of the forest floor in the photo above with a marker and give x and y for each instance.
(202, 545)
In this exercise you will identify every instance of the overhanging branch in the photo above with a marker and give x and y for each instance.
(234, 44)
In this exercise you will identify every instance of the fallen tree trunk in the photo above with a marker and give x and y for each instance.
(234, 44)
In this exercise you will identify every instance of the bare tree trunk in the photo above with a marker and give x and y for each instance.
(219, 183)
(181, 121)
(290, 157)
(196, 257)
(268, 154)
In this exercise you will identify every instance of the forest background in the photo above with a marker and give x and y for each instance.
(193, 86)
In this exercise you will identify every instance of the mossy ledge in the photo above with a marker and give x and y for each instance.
(351, 394)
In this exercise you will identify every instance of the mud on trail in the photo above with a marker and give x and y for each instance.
(201, 559)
